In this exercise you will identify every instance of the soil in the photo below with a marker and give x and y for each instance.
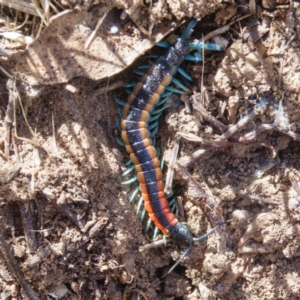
(68, 230)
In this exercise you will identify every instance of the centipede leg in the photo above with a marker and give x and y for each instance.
(206, 46)
(185, 74)
(131, 180)
(133, 195)
(163, 44)
(139, 204)
(138, 72)
(119, 101)
(194, 58)
(120, 142)
(172, 89)
(129, 170)
(180, 85)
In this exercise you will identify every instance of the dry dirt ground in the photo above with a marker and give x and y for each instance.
(67, 228)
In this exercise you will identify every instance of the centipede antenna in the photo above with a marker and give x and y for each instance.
(186, 252)
(203, 237)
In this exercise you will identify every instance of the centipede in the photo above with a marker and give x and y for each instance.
(138, 117)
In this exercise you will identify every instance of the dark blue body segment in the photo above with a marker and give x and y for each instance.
(148, 166)
(132, 125)
(134, 137)
(150, 176)
(134, 114)
(142, 155)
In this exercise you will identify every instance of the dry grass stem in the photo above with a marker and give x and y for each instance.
(20, 5)
(170, 173)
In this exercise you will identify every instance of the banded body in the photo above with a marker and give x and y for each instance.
(134, 123)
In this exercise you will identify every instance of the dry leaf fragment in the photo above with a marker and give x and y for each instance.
(59, 53)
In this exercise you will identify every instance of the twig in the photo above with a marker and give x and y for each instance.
(221, 140)
(8, 120)
(23, 24)
(180, 208)
(241, 124)
(98, 227)
(17, 95)
(5, 73)
(107, 103)
(109, 88)
(248, 137)
(64, 208)
(38, 257)
(28, 226)
(53, 132)
(295, 185)
(210, 143)
(91, 37)
(197, 105)
(13, 267)
(185, 161)
(207, 204)
(153, 245)
(40, 13)
(170, 173)
(256, 199)
(223, 29)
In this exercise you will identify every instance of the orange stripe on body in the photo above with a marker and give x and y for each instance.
(158, 175)
(155, 163)
(160, 186)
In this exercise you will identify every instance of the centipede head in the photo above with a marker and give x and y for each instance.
(181, 234)
(182, 46)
